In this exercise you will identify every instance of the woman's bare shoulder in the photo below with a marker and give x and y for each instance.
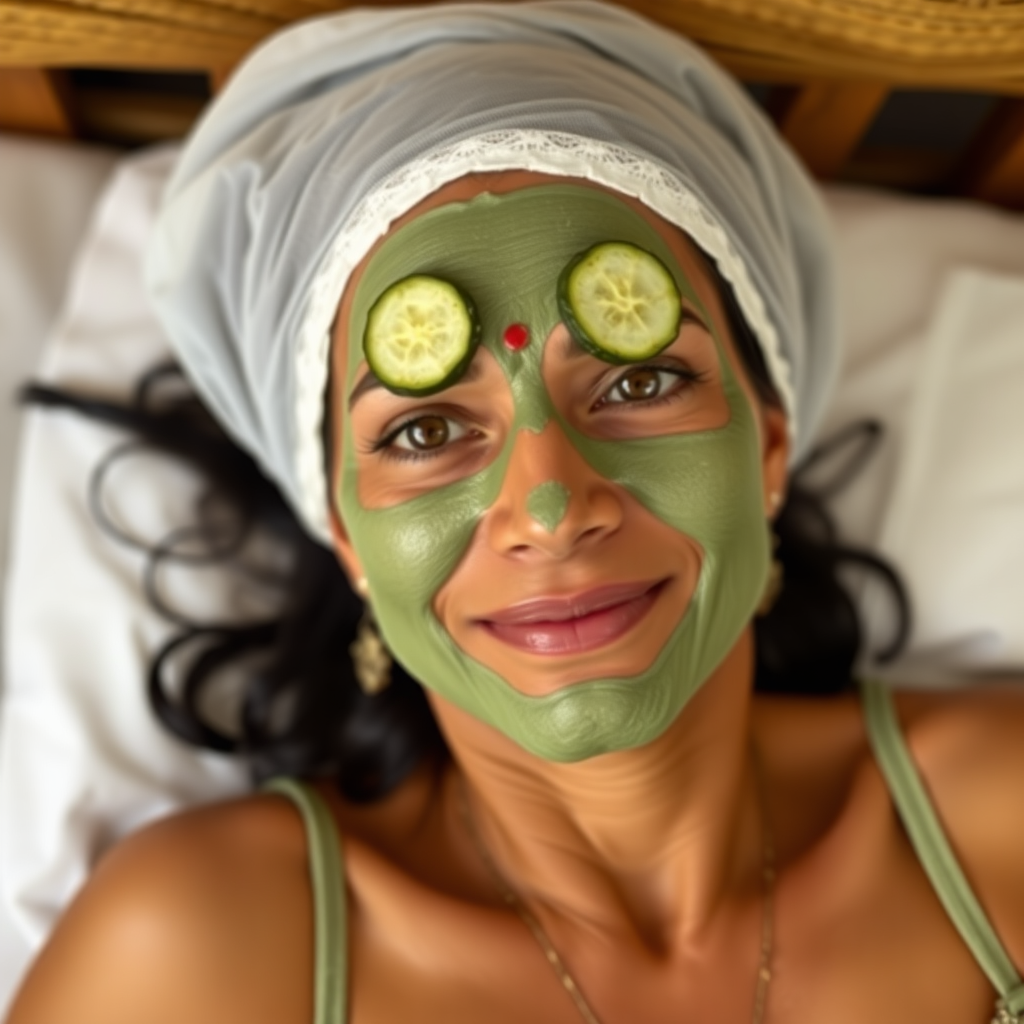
(966, 738)
(202, 916)
(968, 743)
(969, 747)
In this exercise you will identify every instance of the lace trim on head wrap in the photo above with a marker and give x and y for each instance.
(555, 153)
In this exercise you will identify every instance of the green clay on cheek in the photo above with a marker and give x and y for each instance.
(547, 504)
(507, 253)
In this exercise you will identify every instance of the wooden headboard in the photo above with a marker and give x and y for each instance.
(926, 95)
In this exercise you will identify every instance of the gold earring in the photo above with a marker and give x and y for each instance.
(371, 660)
(362, 587)
(773, 585)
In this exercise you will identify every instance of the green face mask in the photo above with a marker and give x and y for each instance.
(507, 252)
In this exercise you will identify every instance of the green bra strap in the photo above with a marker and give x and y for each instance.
(327, 878)
(934, 852)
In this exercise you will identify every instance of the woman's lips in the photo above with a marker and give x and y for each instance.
(572, 625)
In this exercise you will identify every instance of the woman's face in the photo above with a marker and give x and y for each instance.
(563, 547)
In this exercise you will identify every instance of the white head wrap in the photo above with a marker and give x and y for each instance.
(338, 125)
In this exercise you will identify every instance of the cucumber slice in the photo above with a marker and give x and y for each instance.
(421, 335)
(620, 302)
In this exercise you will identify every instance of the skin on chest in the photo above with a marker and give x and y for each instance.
(893, 957)
(859, 935)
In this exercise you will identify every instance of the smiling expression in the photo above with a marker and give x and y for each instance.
(564, 548)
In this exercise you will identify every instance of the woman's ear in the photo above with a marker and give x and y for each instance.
(774, 458)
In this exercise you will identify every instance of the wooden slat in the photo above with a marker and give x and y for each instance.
(971, 44)
(49, 35)
(34, 101)
(906, 43)
(995, 171)
(825, 121)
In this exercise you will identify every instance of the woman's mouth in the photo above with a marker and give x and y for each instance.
(575, 624)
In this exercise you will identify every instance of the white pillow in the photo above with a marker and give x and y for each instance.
(47, 194)
(82, 760)
(954, 519)
(917, 277)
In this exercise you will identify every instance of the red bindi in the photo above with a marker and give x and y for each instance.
(516, 336)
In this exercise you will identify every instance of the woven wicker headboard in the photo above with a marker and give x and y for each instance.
(824, 68)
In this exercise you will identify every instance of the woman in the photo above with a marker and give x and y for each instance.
(441, 220)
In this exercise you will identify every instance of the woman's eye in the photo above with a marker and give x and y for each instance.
(642, 384)
(427, 434)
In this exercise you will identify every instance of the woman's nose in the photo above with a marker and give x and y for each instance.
(551, 501)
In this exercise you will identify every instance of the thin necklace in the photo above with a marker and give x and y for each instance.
(511, 899)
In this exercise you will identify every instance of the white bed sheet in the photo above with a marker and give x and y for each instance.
(81, 758)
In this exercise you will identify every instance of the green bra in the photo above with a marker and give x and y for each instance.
(908, 794)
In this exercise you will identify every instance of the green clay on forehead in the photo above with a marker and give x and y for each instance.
(547, 504)
(507, 253)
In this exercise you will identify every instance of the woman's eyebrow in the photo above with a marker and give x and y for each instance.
(693, 317)
(370, 382)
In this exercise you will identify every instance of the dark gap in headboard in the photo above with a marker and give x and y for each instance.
(133, 108)
(760, 92)
(918, 138)
(933, 120)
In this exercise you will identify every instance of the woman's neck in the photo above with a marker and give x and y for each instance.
(651, 841)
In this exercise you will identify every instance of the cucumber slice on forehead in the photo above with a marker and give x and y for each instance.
(421, 335)
(620, 302)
